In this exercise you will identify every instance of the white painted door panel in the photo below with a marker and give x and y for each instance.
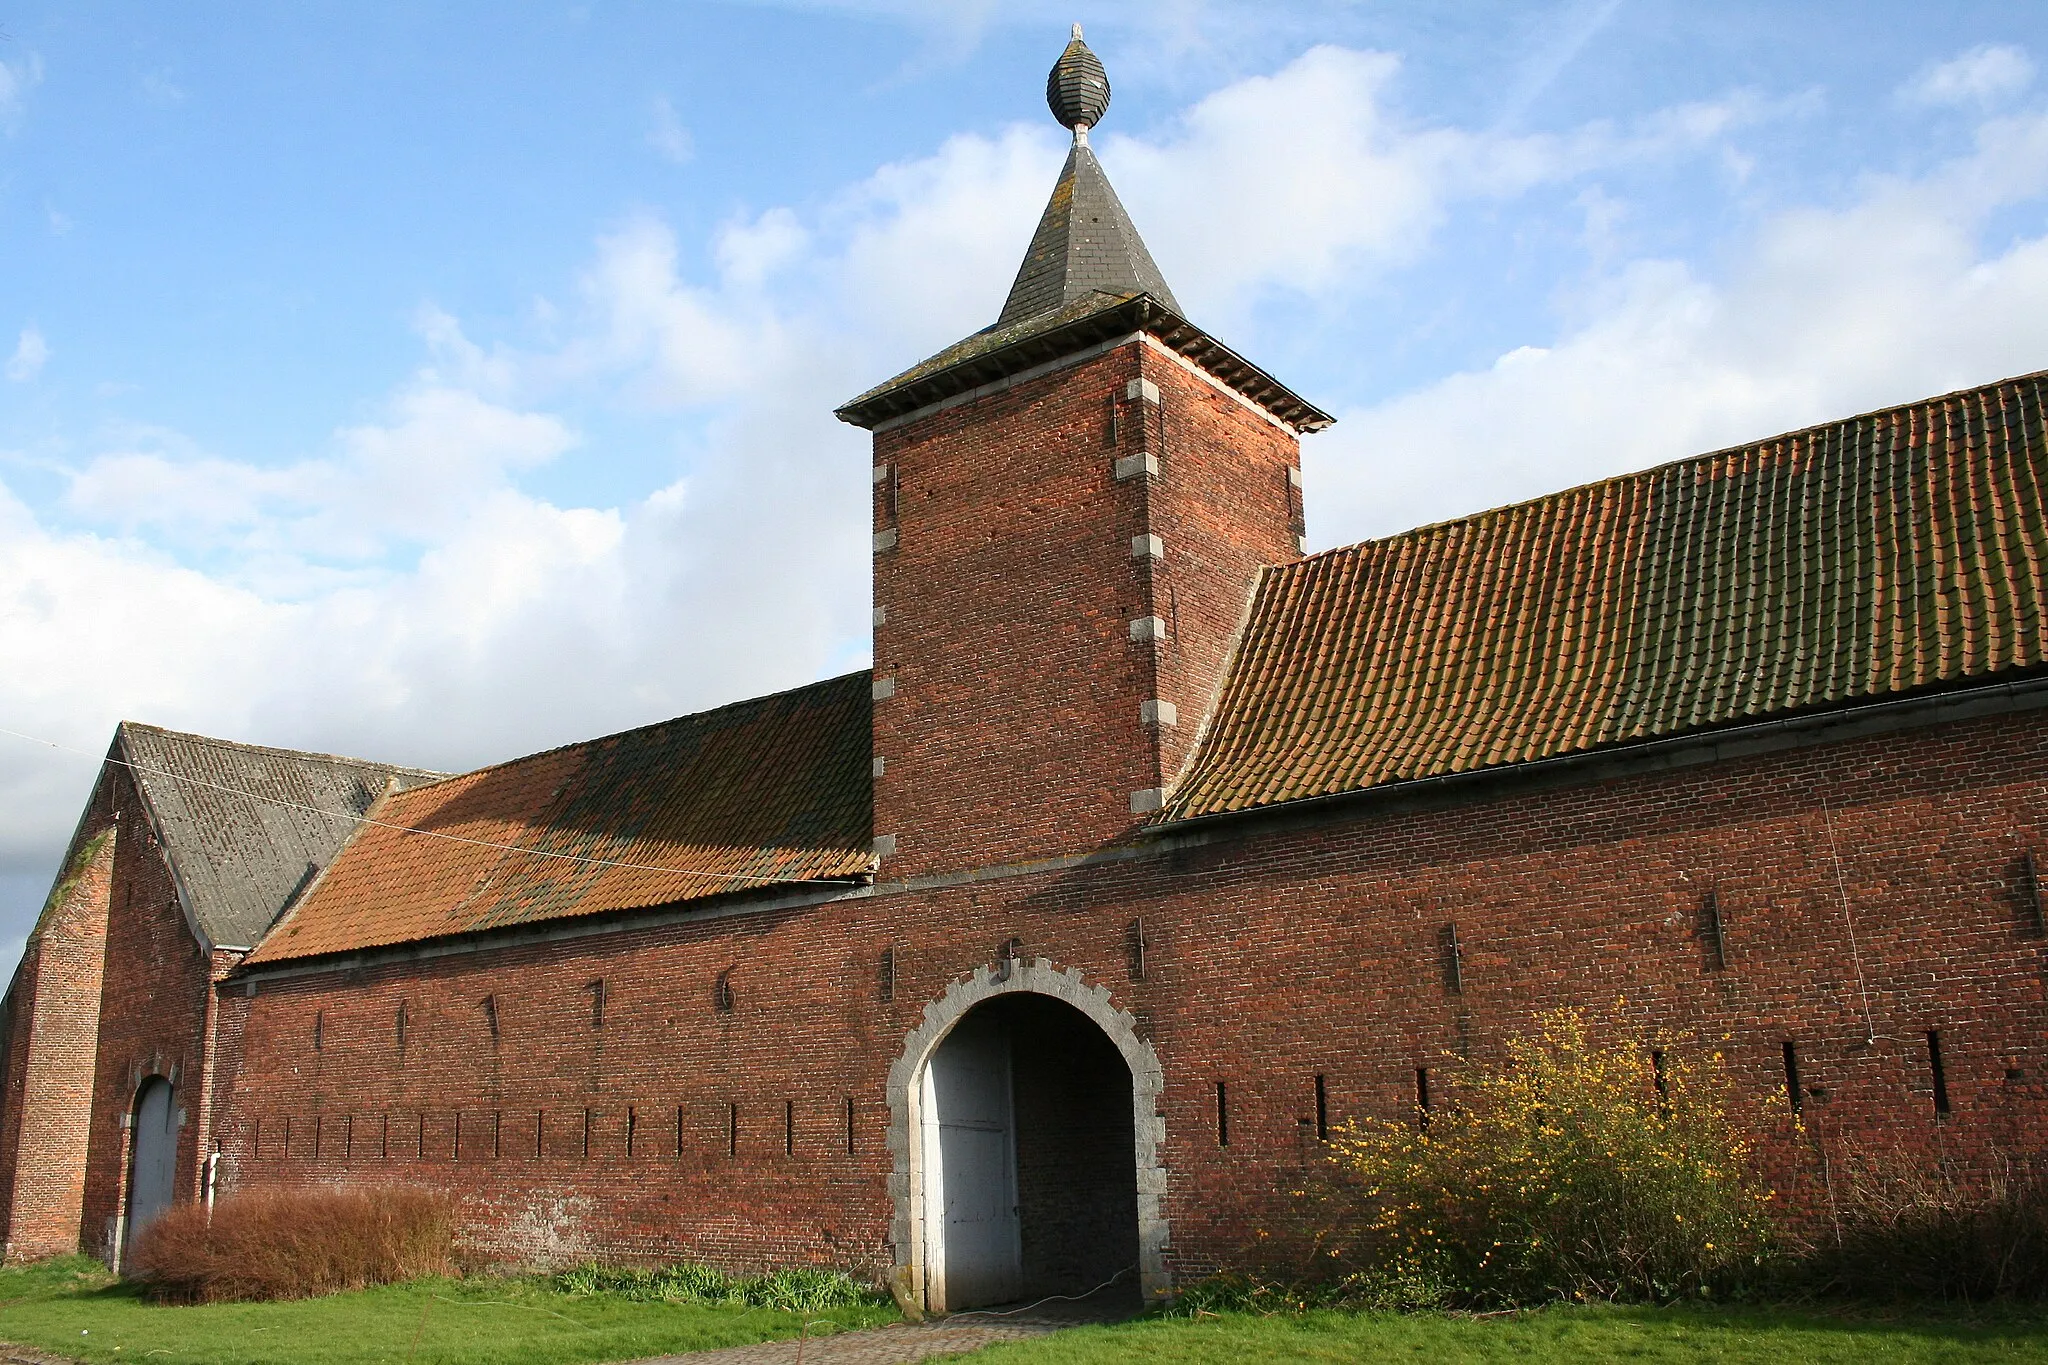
(971, 1170)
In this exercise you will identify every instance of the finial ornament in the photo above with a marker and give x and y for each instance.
(1077, 90)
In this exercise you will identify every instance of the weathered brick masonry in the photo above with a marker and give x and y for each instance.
(152, 1019)
(48, 1042)
(1271, 958)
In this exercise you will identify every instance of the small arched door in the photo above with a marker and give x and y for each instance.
(153, 1157)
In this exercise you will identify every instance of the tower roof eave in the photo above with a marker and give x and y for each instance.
(1001, 352)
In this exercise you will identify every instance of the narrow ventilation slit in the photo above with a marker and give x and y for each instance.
(420, 1137)
(540, 1130)
(319, 1030)
(497, 1133)
(2030, 894)
(679, 1130)
(789, 1127)
(586, 1135)
(1792, 1093)
(888, 975)
(1134, 946)
(1660, 1076)
(849, 1125)
(1422, 1096)
(632, 1127)
(732, 1130)
(597, 993)
(1451, 959)
(1322, 1107)
(1222, 1114)
(384, 1141)
(1937, 1070)
(455, 1142)
(1711, 941)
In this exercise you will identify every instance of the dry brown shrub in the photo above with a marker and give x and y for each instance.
(1907, 1228)
(291, 1244)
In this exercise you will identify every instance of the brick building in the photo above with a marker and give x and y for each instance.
(1045, 952)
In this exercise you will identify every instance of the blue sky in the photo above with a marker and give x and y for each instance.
(441, 382)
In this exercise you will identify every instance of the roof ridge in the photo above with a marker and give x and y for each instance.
(239, 746)
(1665, 468)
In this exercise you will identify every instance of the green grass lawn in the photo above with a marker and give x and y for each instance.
(71, 1307)
(1553, 1336)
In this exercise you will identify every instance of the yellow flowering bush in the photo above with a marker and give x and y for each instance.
(1572, 1171)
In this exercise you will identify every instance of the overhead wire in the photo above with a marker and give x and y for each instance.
(581, 858)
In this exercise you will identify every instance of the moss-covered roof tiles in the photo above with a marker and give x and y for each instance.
(746, 797)
(1887, 553)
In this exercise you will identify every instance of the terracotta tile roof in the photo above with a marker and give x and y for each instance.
(1895, 551)
(777, 789)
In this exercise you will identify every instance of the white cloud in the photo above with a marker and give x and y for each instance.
(668, 135)
(1822, 313)
(1309, 180)
(17, 79)
(1981, 77)
(31, 352)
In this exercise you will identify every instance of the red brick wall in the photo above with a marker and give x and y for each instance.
(51, 1034)
(1271, 959)
(152, 1019)
(1014, 731)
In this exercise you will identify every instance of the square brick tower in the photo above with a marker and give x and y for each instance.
(1071, 509)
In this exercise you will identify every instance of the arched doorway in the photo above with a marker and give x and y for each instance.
(1030, 1188)
(153, 1159)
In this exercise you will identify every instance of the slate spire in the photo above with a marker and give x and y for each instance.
(1085, 241)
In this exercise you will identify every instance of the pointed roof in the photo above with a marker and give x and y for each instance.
(1087, 279)
(1085, 244)
(244, 827)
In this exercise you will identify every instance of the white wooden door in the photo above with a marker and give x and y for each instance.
(152, 1172)
(973, 1254)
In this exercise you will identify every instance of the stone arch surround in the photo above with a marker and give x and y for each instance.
(1037, 976)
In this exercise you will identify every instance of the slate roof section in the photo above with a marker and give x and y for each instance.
(746, 797)
(1895, 552)
(1085, 244)
(247, 827)
(999, 352)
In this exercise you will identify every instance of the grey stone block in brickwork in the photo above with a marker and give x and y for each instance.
(881, 616)
(1147, 546)
(1136, 466)
(884, 687)
(1148, 800)
(1159, 713)
(1142, 389)
(881, 473)
(885, 845)
(881, 765)
(1146, 628)
(885, 540)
